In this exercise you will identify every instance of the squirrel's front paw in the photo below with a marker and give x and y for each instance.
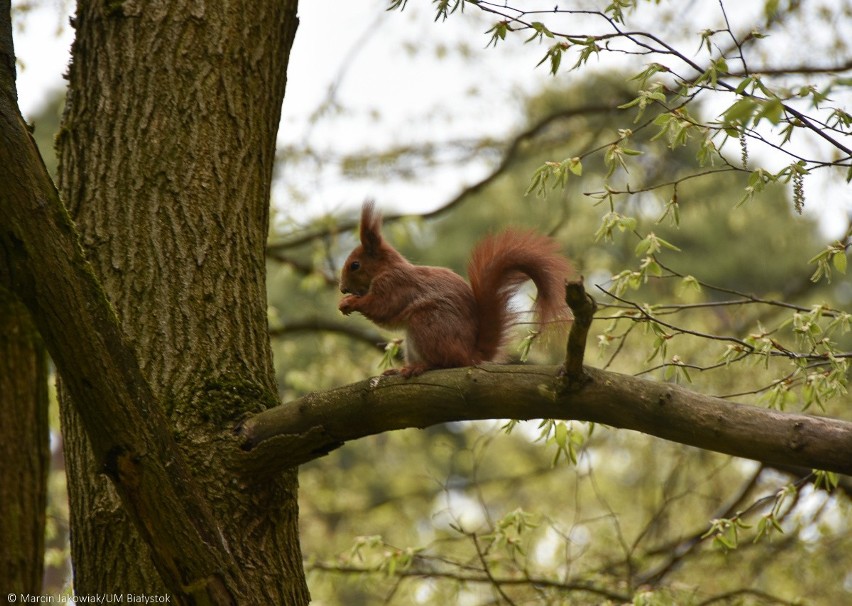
(347, 304)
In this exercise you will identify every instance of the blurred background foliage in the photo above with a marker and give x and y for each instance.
(441, 515)
(631, 512)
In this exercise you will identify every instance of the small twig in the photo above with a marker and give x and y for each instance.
(481, 555)
(583, 306)
(302, 268)
(318, 324)
(512, 153)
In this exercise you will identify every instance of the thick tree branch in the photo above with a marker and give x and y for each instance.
(320, 422)
(41, 260)
(310, 427)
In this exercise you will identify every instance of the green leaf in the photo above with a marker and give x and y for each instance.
(390, 354)
(526, 345)
(612, 221)
(651, 267)
(561, 435)
(687, 284)
(540, 31)
(706, 43)
(576, 167)
(839, 261)
(510, 425)
(443, 9)
(498, 32)
(772, 110)
(744, 83)
(616, 9)
(827, 480)
(662, 119)
(667, 244)
(589, 47)
(554, 54)
(643, 247)
(740, 111)
(649, 71)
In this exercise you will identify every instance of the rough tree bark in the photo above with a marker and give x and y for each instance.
(166, 157)
(41, 260)
(24, 451)
(312, 426)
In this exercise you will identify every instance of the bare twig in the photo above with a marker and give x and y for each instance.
(487, 569)
(512, 152)
(472, 576)
(317, 324)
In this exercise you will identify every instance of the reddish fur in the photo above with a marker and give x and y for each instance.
(499, 265)
(449, 323)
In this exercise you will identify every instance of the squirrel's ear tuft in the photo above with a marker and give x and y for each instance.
(371, 227)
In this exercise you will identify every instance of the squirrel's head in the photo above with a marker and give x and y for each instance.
(371, 257)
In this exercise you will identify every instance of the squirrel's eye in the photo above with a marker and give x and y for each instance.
(355, 265)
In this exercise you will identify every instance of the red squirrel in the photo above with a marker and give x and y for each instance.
(448, 322)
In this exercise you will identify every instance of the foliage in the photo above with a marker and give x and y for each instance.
(681, 182)
(658, 179)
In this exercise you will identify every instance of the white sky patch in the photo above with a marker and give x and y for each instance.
(456, 509)
(400, 82)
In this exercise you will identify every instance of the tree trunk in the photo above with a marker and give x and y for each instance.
(166, 157)
(24, 452)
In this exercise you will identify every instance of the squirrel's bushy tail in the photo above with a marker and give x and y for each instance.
(499, 265)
